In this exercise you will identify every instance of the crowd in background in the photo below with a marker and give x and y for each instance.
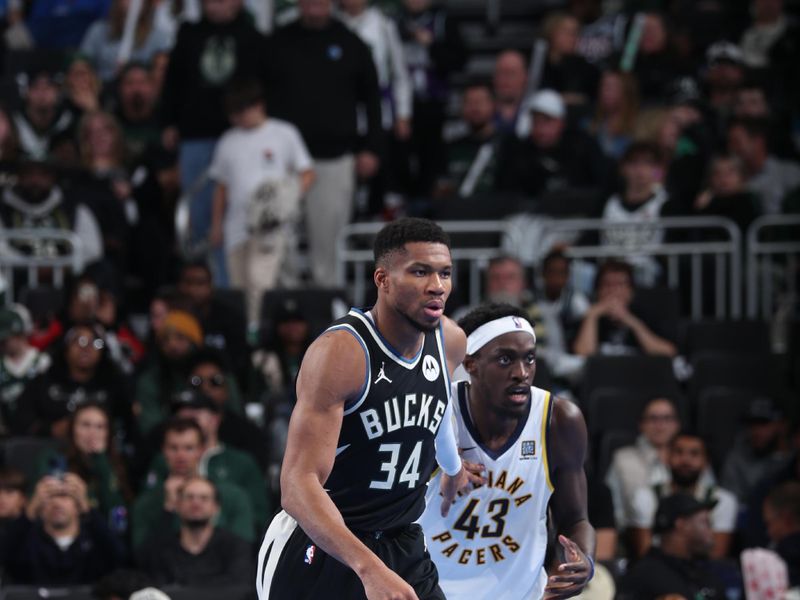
(144, 405)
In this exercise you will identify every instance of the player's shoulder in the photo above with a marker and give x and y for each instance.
(336, 361)
(455, 340)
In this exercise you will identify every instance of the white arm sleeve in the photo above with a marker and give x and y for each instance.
(446, 445)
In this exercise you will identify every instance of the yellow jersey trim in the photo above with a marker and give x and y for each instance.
(546, 462)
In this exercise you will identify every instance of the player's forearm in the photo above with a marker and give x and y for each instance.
(317, 515)
(583, 534)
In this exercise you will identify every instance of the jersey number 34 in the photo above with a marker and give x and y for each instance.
(408, 475)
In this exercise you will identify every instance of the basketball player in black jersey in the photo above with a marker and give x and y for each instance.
(365, 435)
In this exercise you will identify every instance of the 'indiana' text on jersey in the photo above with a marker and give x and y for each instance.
(386, 453)
(493, 541)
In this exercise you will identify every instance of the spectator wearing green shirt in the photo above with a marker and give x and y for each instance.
(155, 509)
(179, 338)
(219, 463)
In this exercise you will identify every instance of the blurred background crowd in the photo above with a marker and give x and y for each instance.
(183, 181)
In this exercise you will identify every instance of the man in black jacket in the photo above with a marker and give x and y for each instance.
(59, 540)
(207, 55)
(680, 564)
(201, 554)
(318, 75)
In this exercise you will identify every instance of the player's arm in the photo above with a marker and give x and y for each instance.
(567, 452)
(457, 474)
(332, 372)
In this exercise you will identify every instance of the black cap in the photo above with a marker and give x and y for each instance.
(288, 310)
(763, 410)
(192, 399)
(676, 506)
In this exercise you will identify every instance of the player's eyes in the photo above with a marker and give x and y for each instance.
(531, 358)
(504, 360)
(445, 275)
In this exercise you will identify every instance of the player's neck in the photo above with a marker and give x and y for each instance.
(494, 428)
(401, 335)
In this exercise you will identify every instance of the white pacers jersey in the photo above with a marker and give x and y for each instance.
(492, 543)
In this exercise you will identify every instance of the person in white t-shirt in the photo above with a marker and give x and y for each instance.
(262, 169)
(688, 464)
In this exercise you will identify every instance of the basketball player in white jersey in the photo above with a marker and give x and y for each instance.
(493, 542)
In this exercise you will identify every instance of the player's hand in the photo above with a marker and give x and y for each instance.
(471, 474)
(384, 584)
(572, 576)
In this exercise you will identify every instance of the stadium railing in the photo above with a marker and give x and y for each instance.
(27, 256)
(773, 250)
(707, 243)
(721, 253)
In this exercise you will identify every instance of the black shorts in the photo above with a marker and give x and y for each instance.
(292, 567)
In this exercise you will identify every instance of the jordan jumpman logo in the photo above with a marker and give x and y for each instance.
(382, 376)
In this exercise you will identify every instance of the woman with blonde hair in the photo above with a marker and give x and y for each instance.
(105, 45)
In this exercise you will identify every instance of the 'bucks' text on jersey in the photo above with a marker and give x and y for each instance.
(386, 454)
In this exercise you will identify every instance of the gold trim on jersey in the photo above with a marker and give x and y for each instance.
(543, 442)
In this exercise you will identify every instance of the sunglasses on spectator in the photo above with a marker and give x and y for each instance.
(84, 341)
(216, 380)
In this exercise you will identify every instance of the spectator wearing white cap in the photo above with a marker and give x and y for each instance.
(553, 160)
(725, 73)
(19, 361)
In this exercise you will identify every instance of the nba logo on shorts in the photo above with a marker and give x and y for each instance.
(310, 554)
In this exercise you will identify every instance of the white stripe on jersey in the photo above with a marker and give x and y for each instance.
(493, 541)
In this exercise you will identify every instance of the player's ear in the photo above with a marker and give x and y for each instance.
(381, 277)
(469, 364)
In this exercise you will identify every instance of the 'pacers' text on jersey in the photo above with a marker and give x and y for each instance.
(492, 543)
(386, 452)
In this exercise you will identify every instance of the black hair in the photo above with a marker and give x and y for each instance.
(397, 234)
(785, 498)
(489, 312)
(613, 266)
(242, 93)
(688, 433)
(479, 82)
(195, 262)
(754, 127)
(134, 65)
(121, 583)
(554, 255)
(209, 355)
(639, 150)
(180, 425)
(12, 479)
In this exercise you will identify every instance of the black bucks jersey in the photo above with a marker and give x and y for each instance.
(385, 454)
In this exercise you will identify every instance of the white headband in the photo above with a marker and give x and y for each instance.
(488, 331)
